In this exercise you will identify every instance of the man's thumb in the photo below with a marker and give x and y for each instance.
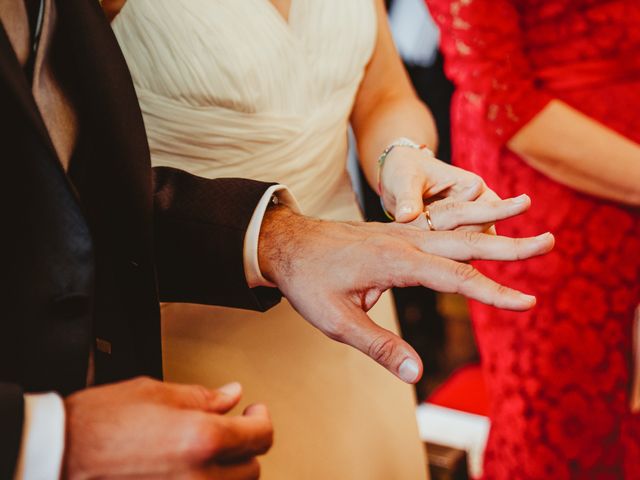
(383, 346)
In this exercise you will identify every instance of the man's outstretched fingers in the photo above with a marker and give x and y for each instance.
(465, 246)
(446, 275)
(471, 283)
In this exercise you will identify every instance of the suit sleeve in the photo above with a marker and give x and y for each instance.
(11, 419)
(200, 226)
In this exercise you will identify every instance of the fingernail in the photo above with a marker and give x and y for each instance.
(409, 370)
(520, 199)
(529, 298)
(405, 209)
(231, 389)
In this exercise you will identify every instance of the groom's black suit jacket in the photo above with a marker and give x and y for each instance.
(87, 254)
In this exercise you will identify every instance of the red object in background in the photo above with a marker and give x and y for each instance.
(464, 390)
(558, 376)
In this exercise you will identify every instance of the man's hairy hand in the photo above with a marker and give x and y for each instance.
(143, 428)
(333, 273)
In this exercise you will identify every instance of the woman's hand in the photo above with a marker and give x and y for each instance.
(444, 215)
(411, 178)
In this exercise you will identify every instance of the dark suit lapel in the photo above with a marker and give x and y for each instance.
(12, 75)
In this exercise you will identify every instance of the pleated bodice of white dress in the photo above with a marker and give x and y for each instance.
(229, 88)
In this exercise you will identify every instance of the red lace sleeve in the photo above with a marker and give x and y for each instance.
(482, 43)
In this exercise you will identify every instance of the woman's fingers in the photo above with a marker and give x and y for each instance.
(404, 178)
(451, 215)
(488, 195)
(484, 195)
(405, 198)
(468, 194)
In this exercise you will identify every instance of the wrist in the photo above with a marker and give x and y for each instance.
(68, 469)
(73, 464)
(281, 227)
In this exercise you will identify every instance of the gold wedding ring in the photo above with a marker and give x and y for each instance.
(427, 215)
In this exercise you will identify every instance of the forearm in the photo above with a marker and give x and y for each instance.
(386, 106)
(392, 118)
(200, 228)
(581, 153)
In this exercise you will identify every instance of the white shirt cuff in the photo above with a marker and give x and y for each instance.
(251, 265)
(43, 436)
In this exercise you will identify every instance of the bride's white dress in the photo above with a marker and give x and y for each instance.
(228, 88)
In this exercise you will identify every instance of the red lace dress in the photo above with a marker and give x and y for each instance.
(559, 375)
